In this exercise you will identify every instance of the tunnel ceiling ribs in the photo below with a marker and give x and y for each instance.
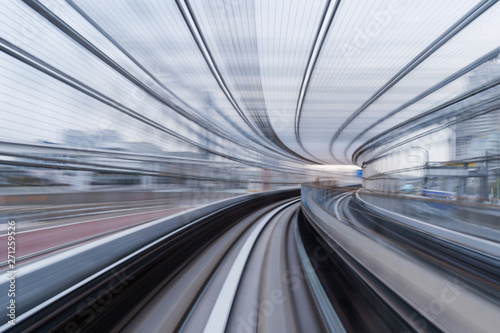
(319, 39)
(267, 83)
(493, 54)
(264, 129)
(159, 82)
(423, 120)
(193, 116)
(427, 52)
(12, 50)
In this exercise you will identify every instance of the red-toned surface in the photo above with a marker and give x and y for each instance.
(38, 240)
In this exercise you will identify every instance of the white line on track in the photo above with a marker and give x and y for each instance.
(219, 316)
(336, 209)
(36, 265)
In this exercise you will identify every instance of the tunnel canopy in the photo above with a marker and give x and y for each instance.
(304, 82)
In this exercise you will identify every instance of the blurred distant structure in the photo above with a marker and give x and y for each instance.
(475, 137)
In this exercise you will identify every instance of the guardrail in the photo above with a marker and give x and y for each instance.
(323, 193)
(116, 195)
(447, 213)
(412, 281)
(46, 280)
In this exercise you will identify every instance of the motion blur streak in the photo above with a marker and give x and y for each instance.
(250, 165)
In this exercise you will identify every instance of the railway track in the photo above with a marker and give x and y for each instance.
(261, 265)
(429, 282)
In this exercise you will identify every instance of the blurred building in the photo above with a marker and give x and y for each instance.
(477, 136)
(90, 139)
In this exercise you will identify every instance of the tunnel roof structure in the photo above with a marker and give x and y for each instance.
(300, 82)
